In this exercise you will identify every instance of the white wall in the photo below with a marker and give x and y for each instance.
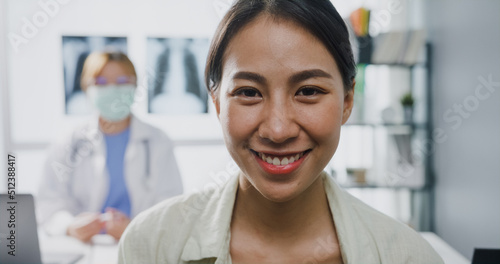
(3, 152)
(3, 88)
(466, 39)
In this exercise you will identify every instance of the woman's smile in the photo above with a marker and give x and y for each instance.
(280, 163)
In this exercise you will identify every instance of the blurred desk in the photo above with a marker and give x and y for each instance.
(449, 254)
(102, 250)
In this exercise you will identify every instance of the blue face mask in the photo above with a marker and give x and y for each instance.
(113, 101)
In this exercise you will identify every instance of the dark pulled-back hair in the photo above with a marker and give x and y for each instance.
(319, 17)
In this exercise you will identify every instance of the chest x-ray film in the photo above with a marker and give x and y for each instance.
(175, 70)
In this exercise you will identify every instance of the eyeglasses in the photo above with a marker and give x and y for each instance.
(124, 79)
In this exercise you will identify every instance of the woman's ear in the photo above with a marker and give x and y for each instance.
(348, 103)
(215, 100)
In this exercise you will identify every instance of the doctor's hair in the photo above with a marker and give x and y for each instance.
(319, 17)
(96, 61)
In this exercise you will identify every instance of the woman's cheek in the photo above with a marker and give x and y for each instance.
(322, 120)
(239, 121)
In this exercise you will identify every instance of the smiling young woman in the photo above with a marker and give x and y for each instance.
(281, 75)
(281, 117)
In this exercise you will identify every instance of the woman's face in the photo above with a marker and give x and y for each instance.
(114, 73)
(281, 104)
(112, 93)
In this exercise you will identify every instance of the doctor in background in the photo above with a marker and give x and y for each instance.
(111, 169)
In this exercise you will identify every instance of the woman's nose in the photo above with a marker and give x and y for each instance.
(279, 124)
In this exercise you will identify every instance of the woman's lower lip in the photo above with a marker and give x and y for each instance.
(280, 169)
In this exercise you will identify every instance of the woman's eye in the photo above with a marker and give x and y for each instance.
(309, 91)
(248, 92)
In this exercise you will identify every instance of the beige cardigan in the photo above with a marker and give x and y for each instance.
(195, 228)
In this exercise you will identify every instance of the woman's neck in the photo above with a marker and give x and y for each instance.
(299, 217)
(108, 127)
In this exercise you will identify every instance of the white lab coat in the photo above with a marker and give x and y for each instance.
(75, 177)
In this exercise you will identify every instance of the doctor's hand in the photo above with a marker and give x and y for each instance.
(85, 226)
(117, 224)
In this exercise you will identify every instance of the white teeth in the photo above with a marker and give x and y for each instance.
(284, 161)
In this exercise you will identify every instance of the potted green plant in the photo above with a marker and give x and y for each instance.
(407, 101)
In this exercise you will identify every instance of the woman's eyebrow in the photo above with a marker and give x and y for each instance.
(307, 74)
(251, 76)
(295, 78)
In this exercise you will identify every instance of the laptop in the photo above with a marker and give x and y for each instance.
(486, 256)
(19, 235)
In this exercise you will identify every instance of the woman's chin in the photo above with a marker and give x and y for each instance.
(280, 194)
(280, 188)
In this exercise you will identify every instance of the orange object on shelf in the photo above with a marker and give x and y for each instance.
(360, 20)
